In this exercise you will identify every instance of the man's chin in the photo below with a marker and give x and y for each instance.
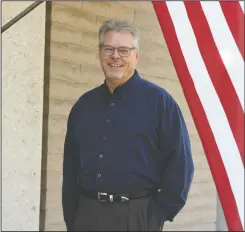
(114, 76)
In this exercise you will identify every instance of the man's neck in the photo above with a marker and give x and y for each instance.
(113, 84)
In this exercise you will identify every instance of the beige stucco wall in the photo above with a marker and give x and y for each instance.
(74, 69)
(22, 115)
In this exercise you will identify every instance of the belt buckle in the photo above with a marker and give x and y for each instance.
(105, 194)
(111, 197)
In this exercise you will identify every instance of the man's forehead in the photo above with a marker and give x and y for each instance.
(118, 34)
(122, 38)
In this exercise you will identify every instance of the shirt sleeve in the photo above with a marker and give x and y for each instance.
(178, 167)
(70, 187)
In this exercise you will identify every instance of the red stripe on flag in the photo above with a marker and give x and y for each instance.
(235, 20)
(210, 147)
(217, 72)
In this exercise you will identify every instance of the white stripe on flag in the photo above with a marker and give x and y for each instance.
(227, 47)
(242, 5)
(211, 103)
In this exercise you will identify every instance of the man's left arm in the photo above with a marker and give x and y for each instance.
(178, 163)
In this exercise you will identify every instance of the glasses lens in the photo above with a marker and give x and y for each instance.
(108, 50)
(123, 52)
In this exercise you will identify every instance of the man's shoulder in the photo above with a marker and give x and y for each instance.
(86, 97)
(154, 88)
(162, 96)
(89, 95)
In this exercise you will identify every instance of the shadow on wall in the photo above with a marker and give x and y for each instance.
(45, 115)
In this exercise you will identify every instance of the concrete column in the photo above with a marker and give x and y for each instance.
(22, 106)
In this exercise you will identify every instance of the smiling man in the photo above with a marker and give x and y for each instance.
(127, 157)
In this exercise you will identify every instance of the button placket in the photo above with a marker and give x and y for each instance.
(105, 137)
(108, 120)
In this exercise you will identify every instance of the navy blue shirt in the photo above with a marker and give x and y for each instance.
(127, 142)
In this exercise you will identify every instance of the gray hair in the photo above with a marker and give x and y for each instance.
(118, 25)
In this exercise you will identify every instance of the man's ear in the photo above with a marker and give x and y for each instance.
(137, 55)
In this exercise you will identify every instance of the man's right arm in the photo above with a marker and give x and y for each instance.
(70, 188)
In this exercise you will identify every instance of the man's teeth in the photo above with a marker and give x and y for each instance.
(115, 65)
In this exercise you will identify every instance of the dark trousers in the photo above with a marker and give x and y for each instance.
(133, 215)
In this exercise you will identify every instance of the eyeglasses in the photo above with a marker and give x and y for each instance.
(122, 51)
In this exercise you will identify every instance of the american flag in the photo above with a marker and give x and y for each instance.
(206, 42)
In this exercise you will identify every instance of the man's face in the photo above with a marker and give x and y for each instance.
(118, 67)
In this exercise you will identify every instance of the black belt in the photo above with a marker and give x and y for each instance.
(108, 197)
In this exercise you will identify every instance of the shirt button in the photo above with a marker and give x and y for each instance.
(104, 137)
(112, 104)
(99, 175)
(101, 156)
(108, 120)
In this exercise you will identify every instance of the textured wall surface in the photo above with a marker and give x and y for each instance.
(22, 107)
(11, 10)
(75, 69)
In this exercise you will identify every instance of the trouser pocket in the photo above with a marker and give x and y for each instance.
(153, 224)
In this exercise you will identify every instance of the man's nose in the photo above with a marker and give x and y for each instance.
(115, 54)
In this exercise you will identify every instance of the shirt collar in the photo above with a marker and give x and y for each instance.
(125, 90)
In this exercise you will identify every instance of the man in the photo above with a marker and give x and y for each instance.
(127, 157)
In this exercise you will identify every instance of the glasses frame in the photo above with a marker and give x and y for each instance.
(101, 46)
